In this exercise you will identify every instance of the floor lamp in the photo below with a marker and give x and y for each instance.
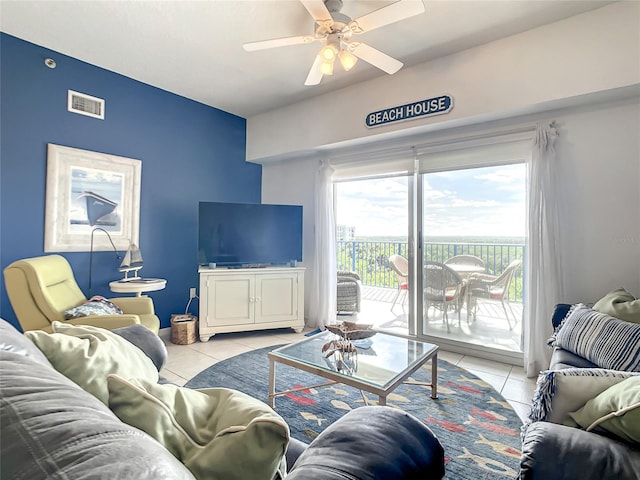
(91, 253)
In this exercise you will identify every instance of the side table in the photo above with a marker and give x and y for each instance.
(138, 286)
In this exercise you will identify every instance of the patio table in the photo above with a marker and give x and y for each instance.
(465, 270)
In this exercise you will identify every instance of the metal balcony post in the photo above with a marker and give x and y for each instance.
(353, 256)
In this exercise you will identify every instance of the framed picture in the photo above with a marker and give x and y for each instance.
(88, 190)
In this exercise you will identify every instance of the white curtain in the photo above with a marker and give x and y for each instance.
(322, 299)
(543, 274)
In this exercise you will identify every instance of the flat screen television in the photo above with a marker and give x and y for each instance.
(237, 234)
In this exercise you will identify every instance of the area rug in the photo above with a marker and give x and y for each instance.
(478, 429)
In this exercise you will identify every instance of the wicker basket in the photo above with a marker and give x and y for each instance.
(183, 329)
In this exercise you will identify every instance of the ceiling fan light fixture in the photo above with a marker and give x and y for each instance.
(348, 60)
(328, 53)
(336, 30)
(326, 67)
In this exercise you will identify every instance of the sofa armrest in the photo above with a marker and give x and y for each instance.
(135, 305)
(105, 321)
(372, 443)
(556, 452)
(12, 340)
(561, 358)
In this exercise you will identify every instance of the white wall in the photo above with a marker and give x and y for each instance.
(292, 183)
(593, 52)
(599, 173)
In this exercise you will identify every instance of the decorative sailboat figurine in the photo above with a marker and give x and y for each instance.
(132, 262)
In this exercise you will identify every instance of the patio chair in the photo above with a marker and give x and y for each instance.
(443, 290)
(348, 295)
(400, 267)
(492, 288)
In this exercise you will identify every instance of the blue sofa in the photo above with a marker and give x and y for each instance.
(51, 428)
(556, 452)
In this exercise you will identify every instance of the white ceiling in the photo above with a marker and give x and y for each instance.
(194, 48)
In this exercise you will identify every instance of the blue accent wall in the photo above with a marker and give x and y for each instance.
(190, 152)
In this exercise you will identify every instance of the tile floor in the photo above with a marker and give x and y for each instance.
(185, 361)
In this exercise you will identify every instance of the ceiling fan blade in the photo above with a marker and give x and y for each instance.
(386, 15)
(317, 9)
(315, 74)
(375, 57)
(278, 42)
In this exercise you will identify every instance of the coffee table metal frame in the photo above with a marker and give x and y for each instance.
(334, 376)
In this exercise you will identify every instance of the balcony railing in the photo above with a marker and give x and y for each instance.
(370, 259)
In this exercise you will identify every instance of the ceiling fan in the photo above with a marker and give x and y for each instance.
(337, 32)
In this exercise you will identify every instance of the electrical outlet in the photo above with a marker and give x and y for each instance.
(192, 292)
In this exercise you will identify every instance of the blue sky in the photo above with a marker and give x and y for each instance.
(487, 201)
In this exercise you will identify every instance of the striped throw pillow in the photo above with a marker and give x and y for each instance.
(606, 341)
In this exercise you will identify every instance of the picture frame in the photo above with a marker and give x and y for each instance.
(86, 191)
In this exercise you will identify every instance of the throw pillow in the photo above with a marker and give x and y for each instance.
(88, 354)
(217, 433)
(620, 304)
(616, 410)
(606, 341)
(94, 306)
(559, 392)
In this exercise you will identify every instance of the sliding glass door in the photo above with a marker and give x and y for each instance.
(473, 231)
(372, 221)
(440, 246)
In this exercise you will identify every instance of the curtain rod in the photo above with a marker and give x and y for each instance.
(375, 152)
(480, 136)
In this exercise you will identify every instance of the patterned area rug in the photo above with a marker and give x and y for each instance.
(479, 430)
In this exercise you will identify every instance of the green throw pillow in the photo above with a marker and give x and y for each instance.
(88, 354)
(620, 304)
(218, 433)
(616, 410)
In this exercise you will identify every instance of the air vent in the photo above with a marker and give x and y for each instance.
(85, 104)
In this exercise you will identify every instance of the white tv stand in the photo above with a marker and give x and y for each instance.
(245, 299)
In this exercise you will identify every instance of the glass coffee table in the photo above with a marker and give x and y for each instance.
(378, 369)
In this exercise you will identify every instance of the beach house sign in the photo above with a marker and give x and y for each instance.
(421, 108)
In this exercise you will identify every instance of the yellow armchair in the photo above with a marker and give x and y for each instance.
(41, 289)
